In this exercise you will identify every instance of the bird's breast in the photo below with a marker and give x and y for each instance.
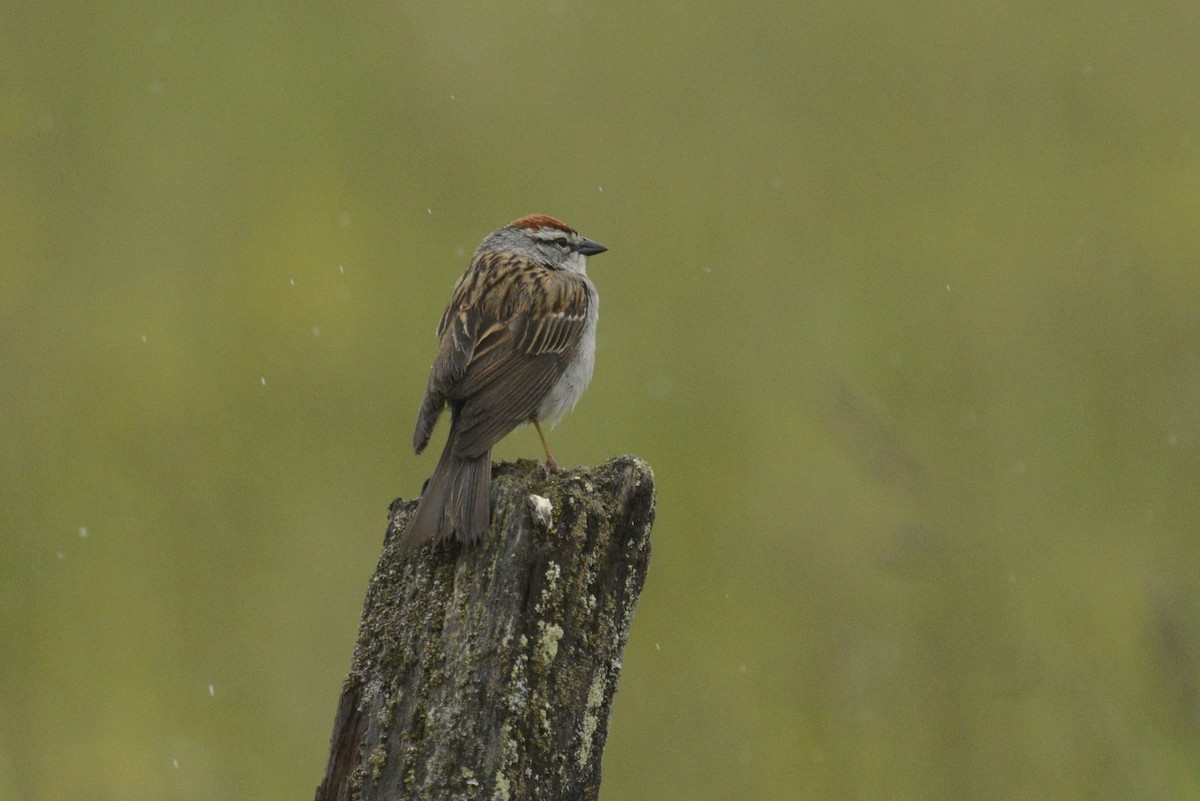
(566, 392)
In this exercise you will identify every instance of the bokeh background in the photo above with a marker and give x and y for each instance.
(902, 304)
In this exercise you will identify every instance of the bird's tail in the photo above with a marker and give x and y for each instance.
(455, 501)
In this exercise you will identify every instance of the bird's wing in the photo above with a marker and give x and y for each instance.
(518, 354)
(457, 333)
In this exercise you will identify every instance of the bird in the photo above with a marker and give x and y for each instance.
(516, 345)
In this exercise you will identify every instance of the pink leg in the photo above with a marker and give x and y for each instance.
(551, 465)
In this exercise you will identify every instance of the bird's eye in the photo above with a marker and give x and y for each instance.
(562, 243)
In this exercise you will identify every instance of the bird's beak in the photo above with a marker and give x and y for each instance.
(589, 248)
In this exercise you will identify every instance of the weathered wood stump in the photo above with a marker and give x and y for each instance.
(489, 671)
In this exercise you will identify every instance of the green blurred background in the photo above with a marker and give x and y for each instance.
(902, 304)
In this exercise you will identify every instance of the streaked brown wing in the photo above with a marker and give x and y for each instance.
(457, 332)
(515, 363)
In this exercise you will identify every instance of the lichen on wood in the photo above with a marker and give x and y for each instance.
(488, 671)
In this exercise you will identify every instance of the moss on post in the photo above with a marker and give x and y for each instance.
(489, 671)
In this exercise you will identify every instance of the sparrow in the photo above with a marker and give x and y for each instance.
(517, 344)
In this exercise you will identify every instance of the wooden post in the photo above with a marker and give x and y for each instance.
(488, 672)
